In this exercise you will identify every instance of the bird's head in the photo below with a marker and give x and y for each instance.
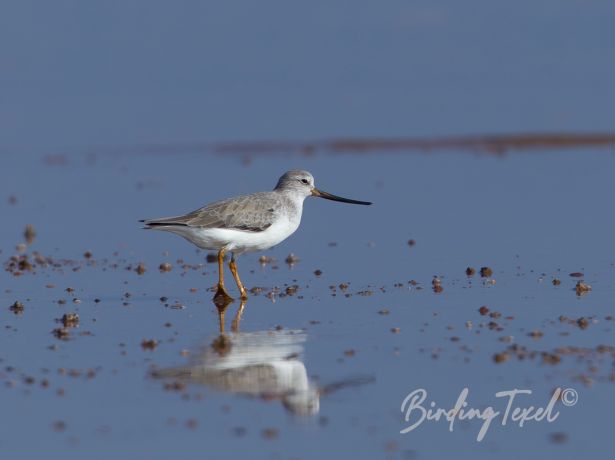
(302, 182)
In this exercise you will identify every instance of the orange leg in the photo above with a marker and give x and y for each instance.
(233, 266)
(221, 291)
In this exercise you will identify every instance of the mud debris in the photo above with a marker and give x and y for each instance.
(536, 334)
(583, 323)
(29, 234)
(291, 259)
(470, 271)
(486, 272)
(149, 344)
(436, 285)
(17, 307)
(61, 333)
(265, 260)
(582, 288)
(70, 320)
(270, 433)
(165, 267)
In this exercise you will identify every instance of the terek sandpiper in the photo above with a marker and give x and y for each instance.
(246, 223)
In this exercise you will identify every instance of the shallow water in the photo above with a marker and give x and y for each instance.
(345, 358)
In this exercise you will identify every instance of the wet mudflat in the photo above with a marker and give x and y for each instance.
(110, 342)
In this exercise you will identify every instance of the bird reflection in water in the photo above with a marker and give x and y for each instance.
(264, 364)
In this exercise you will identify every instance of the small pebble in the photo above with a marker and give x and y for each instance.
(582, 288)
(149, 344)
(17, 307)
(29, 234)
(291, 259)
(165, 267)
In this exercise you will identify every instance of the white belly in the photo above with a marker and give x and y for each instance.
(238, 241)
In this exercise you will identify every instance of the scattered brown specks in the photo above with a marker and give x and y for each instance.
(29, 234)
(486, 272)
(270, 433)
(583, 323)
(140, 268)
(395, 330)
(411, 242)
(17, 307)
(556, 281)
(470, 271)
(582, 288)
(264, 260)
(483, 310)
(291, 259)
(350, 352)
(536, 334)
(317, 272)
(87, 254)
(70, 320)
(149, 344)
(175, 386)
(61, 333)
(500, 357)
(384, 311)
(165, 267)
(577, 274)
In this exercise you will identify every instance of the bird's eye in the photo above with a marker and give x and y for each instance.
(305, 181)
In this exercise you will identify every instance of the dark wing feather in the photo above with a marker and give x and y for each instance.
(250, 213)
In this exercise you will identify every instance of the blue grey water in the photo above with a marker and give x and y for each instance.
(88, 93)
